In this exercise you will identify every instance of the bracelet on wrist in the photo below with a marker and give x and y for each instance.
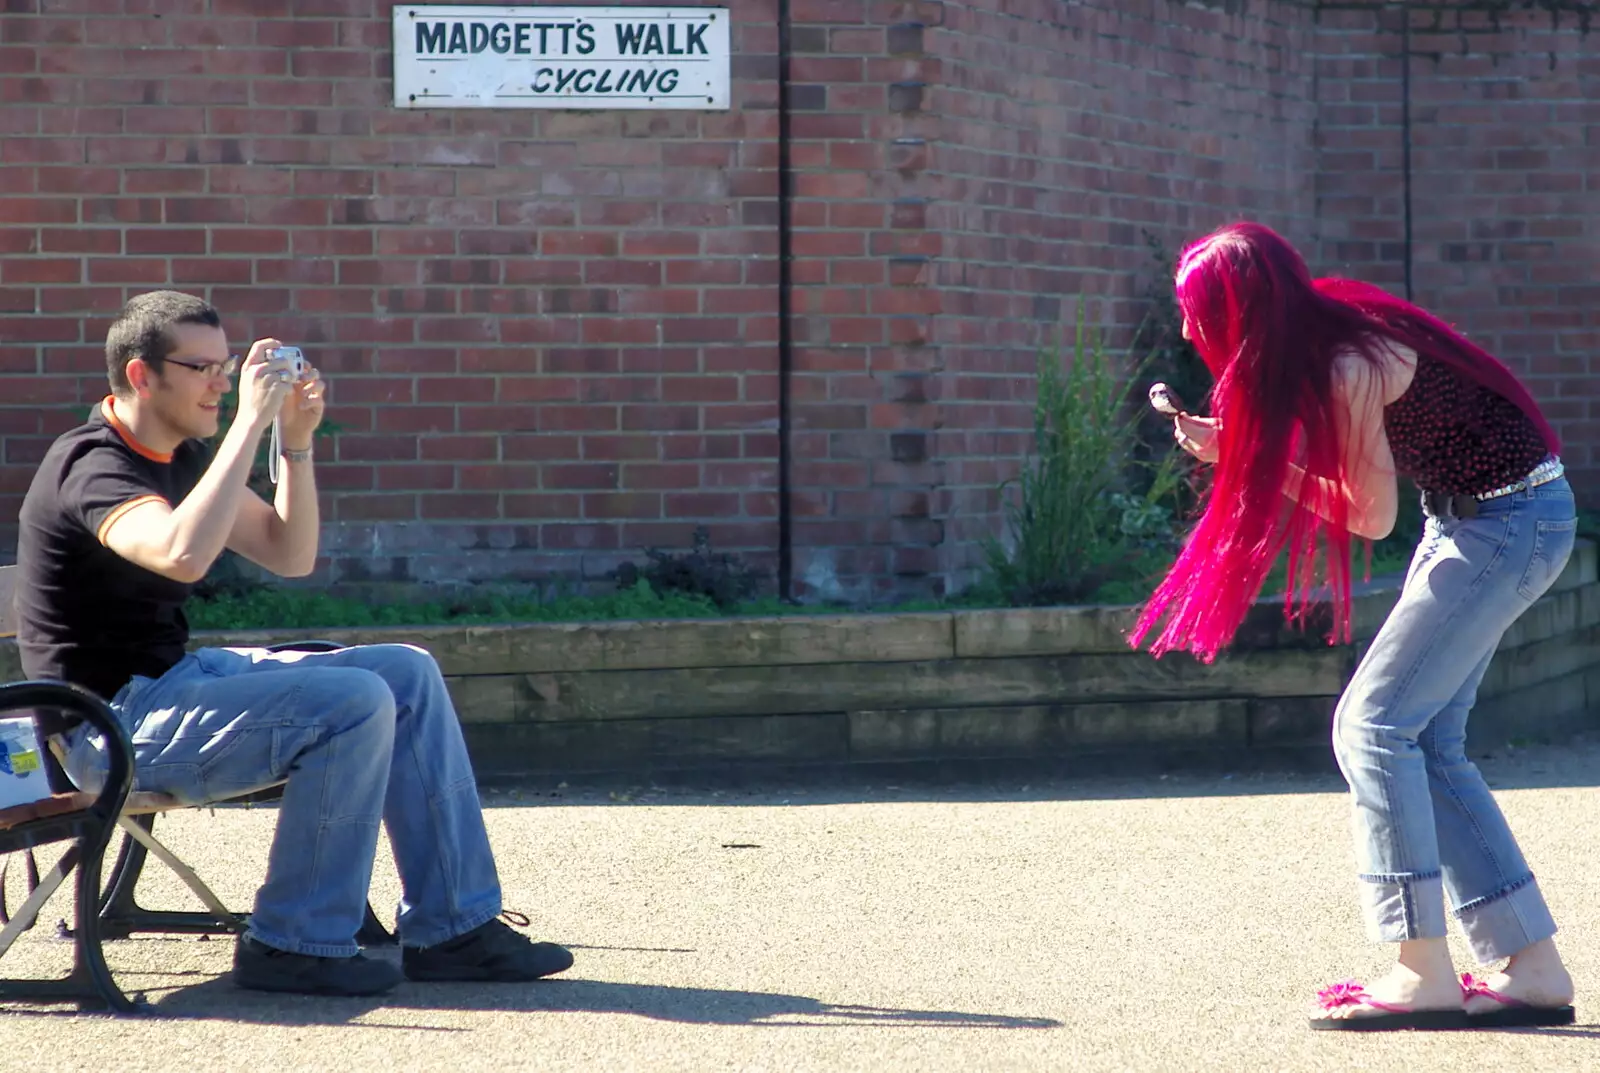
(291, 455)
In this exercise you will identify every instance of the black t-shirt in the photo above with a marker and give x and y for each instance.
(85, 614)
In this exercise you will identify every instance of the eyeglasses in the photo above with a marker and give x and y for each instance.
(211, 369)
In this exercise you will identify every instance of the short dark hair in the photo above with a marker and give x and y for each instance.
(146, 328)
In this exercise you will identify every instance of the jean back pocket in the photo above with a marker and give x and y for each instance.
(1552, 547)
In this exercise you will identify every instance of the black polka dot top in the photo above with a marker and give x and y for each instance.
(1452, 435)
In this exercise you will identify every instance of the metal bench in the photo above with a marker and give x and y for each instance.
(90, 820)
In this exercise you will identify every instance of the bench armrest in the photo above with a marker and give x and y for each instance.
(75, 700)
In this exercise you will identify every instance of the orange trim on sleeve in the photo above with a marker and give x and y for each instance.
(127, 436)
(119, 511)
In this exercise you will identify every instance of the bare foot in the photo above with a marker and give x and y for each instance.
(1424, 979)
(1534, 975)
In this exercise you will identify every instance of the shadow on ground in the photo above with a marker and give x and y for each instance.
(216, 998)
(1087, 777)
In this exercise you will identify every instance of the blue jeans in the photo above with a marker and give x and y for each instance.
(360, 734)
(1425, 822)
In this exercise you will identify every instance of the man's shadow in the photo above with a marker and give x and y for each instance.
(216, 998)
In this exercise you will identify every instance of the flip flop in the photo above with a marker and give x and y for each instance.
(1392, 1019)
(1513, 1013)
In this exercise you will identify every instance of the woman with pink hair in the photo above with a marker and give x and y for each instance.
(1327, 390)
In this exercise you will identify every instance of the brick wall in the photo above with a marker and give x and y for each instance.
(1505, 201)
(1066, 133)
(864, 383)
(550, 334)
(553, 335)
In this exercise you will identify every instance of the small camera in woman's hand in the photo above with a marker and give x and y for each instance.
(1165, 400)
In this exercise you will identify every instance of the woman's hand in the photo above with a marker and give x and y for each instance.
(1197, 435)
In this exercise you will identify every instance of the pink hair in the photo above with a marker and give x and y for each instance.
(1270, 334)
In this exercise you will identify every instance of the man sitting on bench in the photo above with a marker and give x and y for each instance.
(125, 515)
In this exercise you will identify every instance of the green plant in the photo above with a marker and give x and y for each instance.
(1086, 510)
(718, 576)
(298, 608)
(1171, 359)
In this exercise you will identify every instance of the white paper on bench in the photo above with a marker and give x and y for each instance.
(22, 775)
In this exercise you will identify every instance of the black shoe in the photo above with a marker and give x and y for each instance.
(491, 952)
(263, 968)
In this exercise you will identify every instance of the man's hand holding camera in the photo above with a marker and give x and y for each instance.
(276, 381)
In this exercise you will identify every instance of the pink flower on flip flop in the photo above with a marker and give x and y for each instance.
(1344, 993)
(1471, 986)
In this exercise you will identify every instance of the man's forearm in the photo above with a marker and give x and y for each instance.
(299, 520)
(202, 523)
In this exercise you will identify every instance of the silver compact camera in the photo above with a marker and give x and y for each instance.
(1165, 401)
(296, 360)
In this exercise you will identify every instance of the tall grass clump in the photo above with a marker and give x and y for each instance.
(1087, 519)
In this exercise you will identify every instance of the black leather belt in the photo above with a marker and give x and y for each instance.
(1439, 505)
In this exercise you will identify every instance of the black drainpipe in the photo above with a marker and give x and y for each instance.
(785, 307)
(1405, 132)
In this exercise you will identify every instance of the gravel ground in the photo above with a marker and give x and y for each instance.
(1153, 923)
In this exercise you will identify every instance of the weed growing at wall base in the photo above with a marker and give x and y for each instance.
(1085, 511)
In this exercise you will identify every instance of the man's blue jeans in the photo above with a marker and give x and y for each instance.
(360, 734)
(1425, 822)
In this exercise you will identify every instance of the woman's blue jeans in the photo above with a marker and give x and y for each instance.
(361, 734)
(1426, 825)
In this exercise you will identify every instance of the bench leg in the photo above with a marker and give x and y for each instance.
(90, 981)
(121, 915)
(120, 912)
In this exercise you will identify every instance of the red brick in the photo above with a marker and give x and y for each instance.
(664, 301)
(437, 448)
(687, 273)
(558, 417)
(212, 272)
(20, 240)
(38, 210)
(165, 241)
(332, 242)
(457, 329)
(43, 151)
(410, 241)
(580, 244)
(268, 301)
(379, 273)
(21, 300)
(617, 330)
(613, 213)
(226, 240)
(39, 390)
(378, 330)
(414, 476)
(526, 389)
(622, 505)
(377, 507)
(42, 270)
(143, 271)
(660, 244)
(580, 476)
(562, 505)
(333, 301)
(512, 478)
(622, 273)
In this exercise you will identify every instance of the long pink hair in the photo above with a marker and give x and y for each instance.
(1269, 333)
